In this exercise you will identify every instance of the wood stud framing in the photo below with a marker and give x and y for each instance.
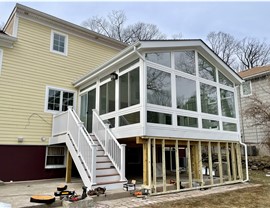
(194, 150)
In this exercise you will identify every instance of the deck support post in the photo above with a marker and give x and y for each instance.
(164, 165)
(233, 161)
(220, 168)
(210, 163)
(68, 167)
(145, 166)
(189, 165)
(239, 162)
(228, 162)
(149, 162)
(177, 166)
(154, 162)
(199, 154)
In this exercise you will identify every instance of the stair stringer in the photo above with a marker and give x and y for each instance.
(79, 164)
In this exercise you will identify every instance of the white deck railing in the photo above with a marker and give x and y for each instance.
(69, 123)
(113, 149)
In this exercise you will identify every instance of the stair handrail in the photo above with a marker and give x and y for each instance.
(112, 148)
(69, 123)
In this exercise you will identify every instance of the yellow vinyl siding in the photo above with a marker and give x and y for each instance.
(28, 68)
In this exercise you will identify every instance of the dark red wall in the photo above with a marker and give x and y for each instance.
(20, 163)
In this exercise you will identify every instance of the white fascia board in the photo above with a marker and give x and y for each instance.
(228, 71)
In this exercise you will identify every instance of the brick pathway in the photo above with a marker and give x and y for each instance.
(139, 202)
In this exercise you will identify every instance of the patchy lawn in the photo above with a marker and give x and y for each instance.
(247, 197)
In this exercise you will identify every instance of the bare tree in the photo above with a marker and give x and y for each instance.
(224, 45)
(114, 26)
(251, 53)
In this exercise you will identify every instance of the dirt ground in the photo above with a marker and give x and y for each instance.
(255, 197)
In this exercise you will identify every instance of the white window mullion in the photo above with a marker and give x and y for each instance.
(61, 101)
(198, 91)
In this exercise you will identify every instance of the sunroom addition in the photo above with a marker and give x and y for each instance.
(168, 92)
(165, 97)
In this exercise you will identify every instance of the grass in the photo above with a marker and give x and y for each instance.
(255, 197)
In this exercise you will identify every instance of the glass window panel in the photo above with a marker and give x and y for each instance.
(163, 58)
(209, 99)
(59, 43)
(224, 80)
(187, 121)
(111, 95)
(67, 100)
(186, 94)
(158, 87)
(134, 82)
(206, 70)
(229, 126)
(210, 124)
(227, 103)
(54, 99)
(123, 91)
(110, 121)
(246, 88)
(185, 61)
(103, 98)
(160, 118)
(128, 119)
(129, 88)
(107, 98)
(84, 109)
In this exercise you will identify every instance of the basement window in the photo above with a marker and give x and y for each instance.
(55, 157)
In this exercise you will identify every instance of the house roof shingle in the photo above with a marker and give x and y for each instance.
(255, 72)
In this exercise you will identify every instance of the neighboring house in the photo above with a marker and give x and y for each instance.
(40, 56)
(150, 109)
(256, 83)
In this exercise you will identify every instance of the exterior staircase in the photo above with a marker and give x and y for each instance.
(99, 158)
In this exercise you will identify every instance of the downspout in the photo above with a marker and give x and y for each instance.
(246, 159)
(245, 146)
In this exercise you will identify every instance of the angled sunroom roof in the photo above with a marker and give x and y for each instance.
(145, 45)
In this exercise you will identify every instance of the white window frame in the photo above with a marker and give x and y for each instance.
(61, 98)
(53, 32)
(1, 59)
(250, 86)
(55, 166)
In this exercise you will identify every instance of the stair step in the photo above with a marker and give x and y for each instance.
(107, 178)
(105, 171)
(104, 164)
(102, 158)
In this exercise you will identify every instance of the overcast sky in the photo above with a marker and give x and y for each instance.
(192, 19)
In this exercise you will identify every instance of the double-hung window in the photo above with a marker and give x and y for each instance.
(58, 100)
(59, 43)
(246, 89)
